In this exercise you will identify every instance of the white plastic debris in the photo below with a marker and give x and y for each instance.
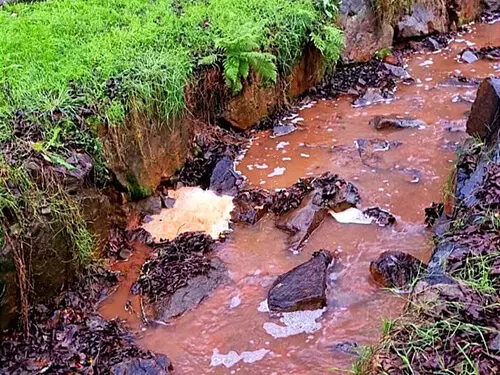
(351, 216)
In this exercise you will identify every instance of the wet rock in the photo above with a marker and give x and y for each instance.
(468, 56)
(302, 221)
(331, 192)
(224, 179)
(395, 269)
(180, 274)
(433, 212)
(395, 122)
(251, 205)
(459, 81)
(425, 17)
(492, 5)
(397, 71)
(487, 53)
(345, 347)
(453, 126)
(379, 216)
(150, 206)
(370, 149)
(281, 130)
(302, 288)
(434, 44)
(167, 201)
(159, 365)
(484, 120)
(196, 289)
(365, 34)
(371, 96)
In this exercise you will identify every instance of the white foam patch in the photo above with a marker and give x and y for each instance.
(282, 145)
(351, 216)
(230, 359)
(194, 210)
(234, 302)
(295, 323)
(261, 166)
(278, 171)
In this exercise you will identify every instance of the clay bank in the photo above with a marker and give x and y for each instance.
(319, 219)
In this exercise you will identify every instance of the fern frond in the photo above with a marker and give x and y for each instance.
(208, 60)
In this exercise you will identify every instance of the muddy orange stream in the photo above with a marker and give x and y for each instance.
(404, 180)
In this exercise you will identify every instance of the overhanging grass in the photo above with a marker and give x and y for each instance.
(58, 54)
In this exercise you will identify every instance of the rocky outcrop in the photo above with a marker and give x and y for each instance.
(395, 269)
(365, 34)
(302, 288)
(424, 17)
(484, 119)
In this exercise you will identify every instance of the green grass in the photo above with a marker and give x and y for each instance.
(59, 54)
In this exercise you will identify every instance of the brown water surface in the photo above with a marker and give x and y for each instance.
(229, 320)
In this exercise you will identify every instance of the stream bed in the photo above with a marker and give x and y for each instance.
(400, 170)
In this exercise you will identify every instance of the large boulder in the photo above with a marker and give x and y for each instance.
(302, 288)
(484, 119)
(395, 269)
(365, 34)
(424, 17)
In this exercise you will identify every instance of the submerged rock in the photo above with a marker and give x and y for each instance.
(484, 119)
(455, 80)
(395, 269)
(396, 122)
(371, 96)
(302, 288)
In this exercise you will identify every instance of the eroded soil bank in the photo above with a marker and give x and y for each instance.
(402, 170)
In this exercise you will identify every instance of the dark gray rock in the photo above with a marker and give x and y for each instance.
(395, 269)
(395, 122)
(281, 130)
(302, 221)
(492, 5)
(469, 57)
(453, 126)
(371, 96)
(224, 179)
(150, 206)
(459, 81)
(345, 347)
(251, 205)
(302, 288)
(484, 119)
(189, 296)
(380, 217)
(371, 151)
(397, 71)
(160, 365)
